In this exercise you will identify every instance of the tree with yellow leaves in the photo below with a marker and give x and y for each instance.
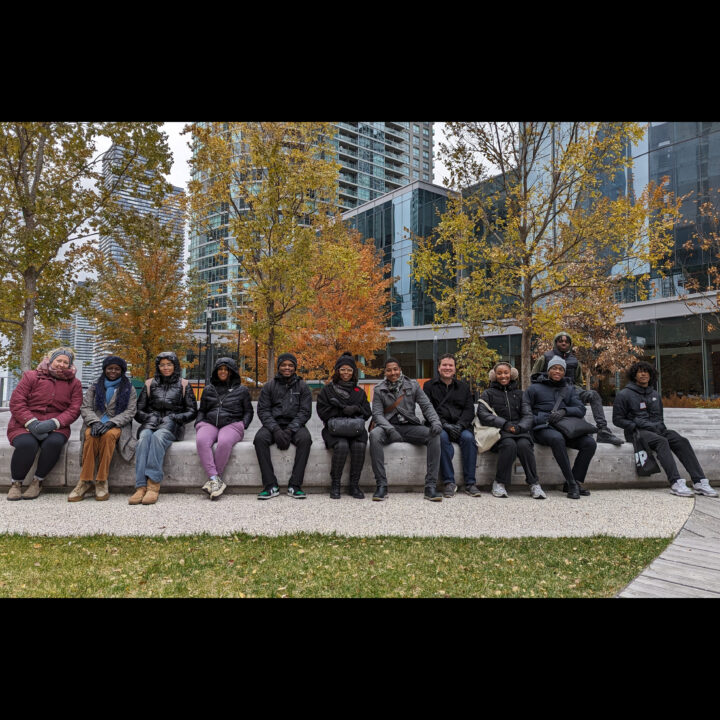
(540, 213)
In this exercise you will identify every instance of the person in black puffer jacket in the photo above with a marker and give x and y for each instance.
(638, 407)
(224, 415)
(284, 407)
(546, 388)
(515, 420)
(343, 398)
(165, 404)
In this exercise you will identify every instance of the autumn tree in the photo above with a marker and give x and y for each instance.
(349, 312)
(537, 214)
(277, 184)
(51, 200)
(143, 304)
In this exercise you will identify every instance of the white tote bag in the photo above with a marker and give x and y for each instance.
(485, 437)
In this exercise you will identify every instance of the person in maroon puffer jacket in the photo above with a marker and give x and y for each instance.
(42, 407)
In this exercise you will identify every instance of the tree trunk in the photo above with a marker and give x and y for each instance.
(526, 357)
(28, 326)
(271, 353)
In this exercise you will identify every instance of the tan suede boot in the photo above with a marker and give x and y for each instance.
(137, 496)
(15, 492)
(78, 492)
(33, 490)
(101, 490)
(153, 490)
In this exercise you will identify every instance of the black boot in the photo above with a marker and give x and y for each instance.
(581, 489)
(572, 489)
(605, 436)
(380, 493)
(335, 490)
(432, 494)
(355, 491)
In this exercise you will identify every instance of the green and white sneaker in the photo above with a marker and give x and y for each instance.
(269, 492)
(296, 492)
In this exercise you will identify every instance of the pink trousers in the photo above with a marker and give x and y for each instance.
(206, 435)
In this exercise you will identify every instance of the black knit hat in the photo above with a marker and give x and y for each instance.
(114, 360)
(286, 356)
(345, 359)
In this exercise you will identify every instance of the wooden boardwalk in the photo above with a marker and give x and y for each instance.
(690, 566)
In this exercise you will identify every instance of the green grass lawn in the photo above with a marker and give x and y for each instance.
(314, 565)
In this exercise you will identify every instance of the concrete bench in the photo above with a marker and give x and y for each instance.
(611, 467)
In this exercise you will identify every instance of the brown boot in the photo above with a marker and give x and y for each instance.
(15, 492)
(101, 490)
(151, 496)
(34, 489)
(78, 492)
(137, 496)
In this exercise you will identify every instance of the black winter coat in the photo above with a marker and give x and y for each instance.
(330, 405)
(458, 409)
(511, 405)
(286, 405)
(224, 403)
(629, 415)
(542, 394)
(166, 405)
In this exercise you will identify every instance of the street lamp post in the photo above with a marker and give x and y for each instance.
(208, 327)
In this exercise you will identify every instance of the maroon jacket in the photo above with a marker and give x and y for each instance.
(42, 396)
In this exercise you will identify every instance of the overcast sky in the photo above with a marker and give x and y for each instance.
(180, 173)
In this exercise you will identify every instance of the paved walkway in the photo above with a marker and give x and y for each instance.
(690, 566)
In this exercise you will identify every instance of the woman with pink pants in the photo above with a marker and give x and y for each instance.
(225, 413)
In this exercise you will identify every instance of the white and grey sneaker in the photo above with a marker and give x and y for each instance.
(207, 487)
(537, 492)
(702, 487)
(217, 487)
(498, 490)
(680, 488)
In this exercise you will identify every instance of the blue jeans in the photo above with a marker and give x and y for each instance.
(468, 450)
(150, 455)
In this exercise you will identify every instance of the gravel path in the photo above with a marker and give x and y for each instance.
(628, 513)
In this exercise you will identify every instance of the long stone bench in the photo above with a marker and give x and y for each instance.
(611, 467)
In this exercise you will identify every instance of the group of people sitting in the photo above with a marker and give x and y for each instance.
(550, 412)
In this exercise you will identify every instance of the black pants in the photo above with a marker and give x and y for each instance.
(508, 449)
(340, 451)
(664, 446)
(26, 447)
(302, 441)
(591, 398)
(585, 445)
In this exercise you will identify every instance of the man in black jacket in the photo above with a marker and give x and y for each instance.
(562, 348)
(453, 403)
(284, 407)
(638, 407)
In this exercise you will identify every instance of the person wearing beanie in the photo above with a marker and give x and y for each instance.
(166, 403)
(638, 409)
(108, 409)
(453, 402)
(342, 398)
(225, 413)
(43, 406)
(514, 418)
(562, 348)
(284, 407)
(393, 412)
(551, 397)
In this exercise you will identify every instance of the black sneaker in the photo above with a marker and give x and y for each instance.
(473, 490)
(581, 489)
(380, 493)
(269, 492)
(605, 436)
(449, 490)
(432, 494)
(296, 492)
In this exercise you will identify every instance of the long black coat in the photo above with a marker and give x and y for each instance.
(225, 403)
(167, 405)
(511, 404)
(285, 405)
(330, 405)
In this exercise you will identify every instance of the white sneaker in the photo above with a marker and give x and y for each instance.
(703, 488)
(498, 490)
(207, 487)
(680, 488)
(217, 487)
(537, 492)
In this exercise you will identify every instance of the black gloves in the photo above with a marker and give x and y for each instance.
(453, 430)
(33, 428)
(351, 410)
(100, 428)
(167, 423)
(435, 429)
(282, 438)
(556, 415)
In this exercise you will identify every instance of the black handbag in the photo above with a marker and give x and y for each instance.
(346, 426)
(572, 427)
(645, 463)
